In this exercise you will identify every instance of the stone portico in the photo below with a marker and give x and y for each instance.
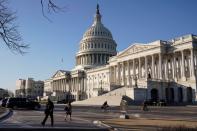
(158, 66)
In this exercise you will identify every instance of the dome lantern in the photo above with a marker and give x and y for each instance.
(97, 18)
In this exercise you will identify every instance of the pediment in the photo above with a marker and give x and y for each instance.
(135, 49)
(58, 74)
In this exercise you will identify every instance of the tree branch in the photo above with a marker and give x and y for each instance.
(51, 6)
(9, 31)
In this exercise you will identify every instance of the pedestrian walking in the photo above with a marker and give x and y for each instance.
(68, 109)
(48, 111)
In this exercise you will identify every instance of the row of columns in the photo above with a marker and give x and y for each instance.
(77, 87)
(60, 85)
(156, 66)
(90, 59)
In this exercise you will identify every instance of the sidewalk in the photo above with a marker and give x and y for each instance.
(147, 124)
(4, 112)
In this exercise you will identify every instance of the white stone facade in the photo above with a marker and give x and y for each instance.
(170, 67)
(160, 70)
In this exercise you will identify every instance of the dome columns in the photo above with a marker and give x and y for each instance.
(92, 59)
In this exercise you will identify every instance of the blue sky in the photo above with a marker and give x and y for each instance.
(129, 21)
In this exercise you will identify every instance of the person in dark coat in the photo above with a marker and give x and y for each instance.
(105, 105)
(48, 111)
(68, 109)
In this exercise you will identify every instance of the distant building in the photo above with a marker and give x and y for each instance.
(29, 88)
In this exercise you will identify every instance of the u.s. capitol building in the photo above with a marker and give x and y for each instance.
(160, 70)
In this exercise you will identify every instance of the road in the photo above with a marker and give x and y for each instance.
(82, 118)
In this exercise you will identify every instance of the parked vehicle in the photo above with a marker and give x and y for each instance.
(3, 102)
(22, 103)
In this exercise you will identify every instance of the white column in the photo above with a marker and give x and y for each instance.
(115, 77)
(166, 69)
(82, 62)
(123, 73)
(134, 68)
(183, 66)
(153, 67)
(146, 67)
(119, 73)
(172, 67)
(160, 66)
(128, 69)
(110, 74)
(87, 59)
(139, 68)
(192, 65)
(175, 67)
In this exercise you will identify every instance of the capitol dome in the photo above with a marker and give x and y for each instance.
(98, 30)
(96, 46)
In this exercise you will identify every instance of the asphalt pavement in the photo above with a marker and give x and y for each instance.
(84, 117)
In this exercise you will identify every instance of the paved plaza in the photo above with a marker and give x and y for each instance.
(84, 117)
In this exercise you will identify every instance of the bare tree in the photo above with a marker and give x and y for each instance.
(51, 7)
(9, 30)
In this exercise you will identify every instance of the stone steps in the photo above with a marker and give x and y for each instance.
(113, 98)
(99, 100)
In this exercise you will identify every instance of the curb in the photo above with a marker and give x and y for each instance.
(101, 124)
(5, 114)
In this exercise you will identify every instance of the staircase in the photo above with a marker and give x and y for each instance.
(99, 100)
(113, 98)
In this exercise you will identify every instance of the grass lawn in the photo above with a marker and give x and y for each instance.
(148, 124)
